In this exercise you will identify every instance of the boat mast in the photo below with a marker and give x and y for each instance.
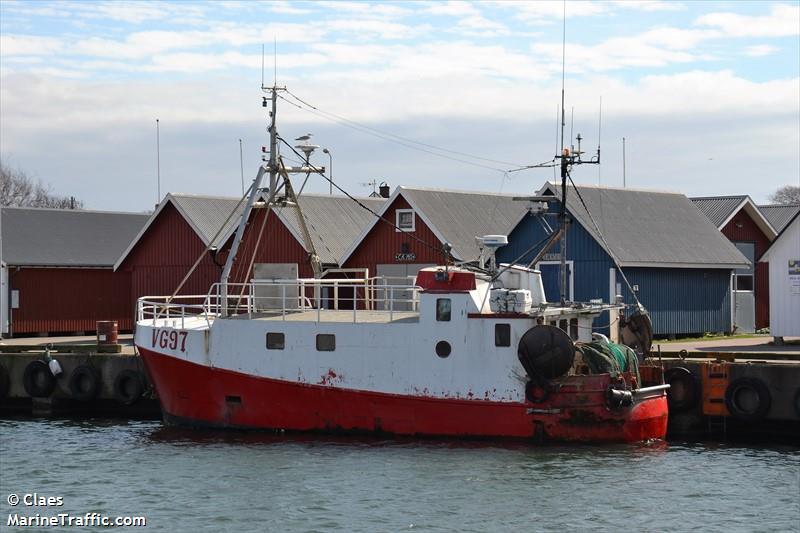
(276, 169)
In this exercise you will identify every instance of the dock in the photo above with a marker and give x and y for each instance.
(94, 380)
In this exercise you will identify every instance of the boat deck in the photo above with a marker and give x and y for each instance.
(337, 316)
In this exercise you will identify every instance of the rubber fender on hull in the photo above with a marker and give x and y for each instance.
(5, 382)
(684, 390)
(546, 352)
(38, 380)
(748, 399)
(128, 386)
(84, 383)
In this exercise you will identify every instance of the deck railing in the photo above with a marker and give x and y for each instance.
(284, 298)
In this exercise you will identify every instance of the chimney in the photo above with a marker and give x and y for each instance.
(384, 189)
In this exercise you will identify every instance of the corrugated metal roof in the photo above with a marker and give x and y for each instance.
(718, 208)
(333, 222)
(647, 228)
(779, 215)
(460, 216)
(64, 237)
(207, 214)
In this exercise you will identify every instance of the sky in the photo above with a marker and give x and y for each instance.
(455, 95)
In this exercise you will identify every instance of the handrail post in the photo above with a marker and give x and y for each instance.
(283, 301)
(336, 295)
(355, 301)
(391, 302)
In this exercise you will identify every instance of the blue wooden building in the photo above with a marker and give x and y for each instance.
(678, 263)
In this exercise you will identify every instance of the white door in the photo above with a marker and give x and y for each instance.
(4, 297)
(397, 274)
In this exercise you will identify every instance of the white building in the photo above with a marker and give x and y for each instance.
(783, 257)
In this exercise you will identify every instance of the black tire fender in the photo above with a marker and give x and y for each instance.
(748, 399)
(797, 402)
(128, 386)
(38, 380)
(5, 382)
(684, 391)
(84, 383)
(537, 390)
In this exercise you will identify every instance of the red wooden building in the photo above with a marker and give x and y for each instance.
(421, 221)
(59, 267)
(741, 221)
(184, 227)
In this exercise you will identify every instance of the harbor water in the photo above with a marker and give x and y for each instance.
(187, 480)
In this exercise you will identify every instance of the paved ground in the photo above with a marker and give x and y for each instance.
(126, 340)
(750, 344)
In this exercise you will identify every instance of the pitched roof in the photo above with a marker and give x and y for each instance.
(65, 237)
(779, 215)
(652, 229)
(784, 231)
(457, 217)
(718, 210)
(333, 222)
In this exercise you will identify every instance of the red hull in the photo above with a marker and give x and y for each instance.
(199, 395)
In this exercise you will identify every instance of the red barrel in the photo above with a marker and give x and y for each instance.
(107, 332)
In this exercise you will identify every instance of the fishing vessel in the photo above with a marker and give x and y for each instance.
(467, 350)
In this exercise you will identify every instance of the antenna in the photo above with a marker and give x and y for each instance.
(624, 178)
(571, 126)
(599, 135)
(241, 165)
(262, 65)
(158, 163)
(275, 61)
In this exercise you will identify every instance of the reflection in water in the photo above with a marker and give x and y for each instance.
(190, 480)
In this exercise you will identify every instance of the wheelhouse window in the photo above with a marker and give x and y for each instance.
(276, 341)
(502, 334)
(405, 219)
(326, 342)
(443, 309)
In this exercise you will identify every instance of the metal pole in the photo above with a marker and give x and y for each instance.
(158, 162)
(624, 178)
(241, 165)
(330, 169)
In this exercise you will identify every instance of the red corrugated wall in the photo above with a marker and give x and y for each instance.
(384, 241)
(66, 300)
(169, 248)
(750, 232)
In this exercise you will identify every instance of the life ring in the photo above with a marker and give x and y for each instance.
(38, 380)
(5, 382)
(84, 383)
(748, 399)
(683, 392)
(537, 390)
(128, 386)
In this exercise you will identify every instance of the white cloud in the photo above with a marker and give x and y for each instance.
(650, 5)
(783, 21)
(28, 45)
(760, 50)
(534, 11)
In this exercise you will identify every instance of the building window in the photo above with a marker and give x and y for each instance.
(405, 219)
(326, 342)
(502, 334)
(276, 341)
(443, 309)
(744, 282)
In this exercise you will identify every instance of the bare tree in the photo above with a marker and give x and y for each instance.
(17, 189)
(788, 194)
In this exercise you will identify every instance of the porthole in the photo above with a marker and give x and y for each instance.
(276, 341)
(443, 349)
(502, 335)
(326, 342)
